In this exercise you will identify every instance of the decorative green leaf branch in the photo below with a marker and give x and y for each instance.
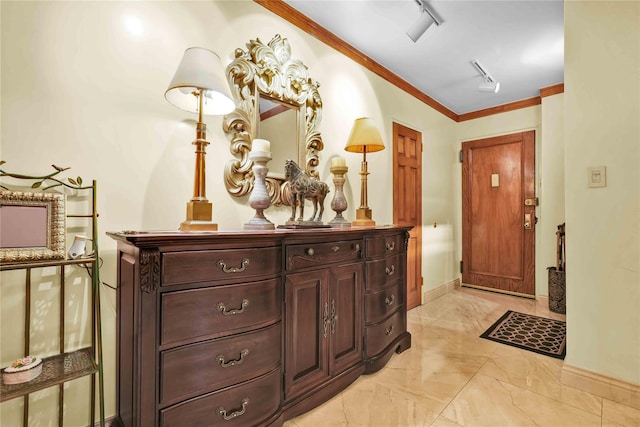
(49, 181)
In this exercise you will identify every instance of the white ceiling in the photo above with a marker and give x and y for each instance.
(519, 42)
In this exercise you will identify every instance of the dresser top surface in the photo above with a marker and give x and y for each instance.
(155, 238)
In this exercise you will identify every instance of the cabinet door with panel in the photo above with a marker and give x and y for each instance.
(345, 317)
(307, 329)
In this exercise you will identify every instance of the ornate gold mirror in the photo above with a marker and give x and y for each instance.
(275, 100)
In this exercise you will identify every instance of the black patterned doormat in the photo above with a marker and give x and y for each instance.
(533, 333)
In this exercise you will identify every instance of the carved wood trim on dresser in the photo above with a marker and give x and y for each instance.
(253, 328)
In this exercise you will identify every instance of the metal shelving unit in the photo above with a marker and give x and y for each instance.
(66, 365)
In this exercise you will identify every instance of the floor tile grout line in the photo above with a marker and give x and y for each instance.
(440, 414)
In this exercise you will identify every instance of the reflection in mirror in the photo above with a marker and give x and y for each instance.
(268, 71)
(279, 124)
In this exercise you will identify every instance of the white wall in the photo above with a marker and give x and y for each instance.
(602, 127)
(83, 86)
(550, 172)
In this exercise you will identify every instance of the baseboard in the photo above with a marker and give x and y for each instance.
(108, 422)
(601, 385)
(441, 290)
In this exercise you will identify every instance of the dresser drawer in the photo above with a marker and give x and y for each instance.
(383, 271)
(204, 313)
(379, 336)
(227, 264)
(215, 364)
(246, 404)
(384, 245)
(321, 254)
(381, 303)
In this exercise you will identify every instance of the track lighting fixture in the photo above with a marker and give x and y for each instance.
(427, 18)
(489, 84)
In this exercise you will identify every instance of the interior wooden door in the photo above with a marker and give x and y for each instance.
(498, 213)
(407, 202)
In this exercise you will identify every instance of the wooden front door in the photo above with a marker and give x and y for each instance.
(407, 202)
(498, 213)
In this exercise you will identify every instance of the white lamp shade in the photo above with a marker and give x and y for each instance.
(420, 26)
(364, 137)
(200, 69)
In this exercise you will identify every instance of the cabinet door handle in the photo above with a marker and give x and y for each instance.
(223, 412)
(325, 320)
(390, 246)
(390, 270)
(388, 330)
(220, 359)
(225, 312)
(334, 317)
(389, 300)
(223, 266)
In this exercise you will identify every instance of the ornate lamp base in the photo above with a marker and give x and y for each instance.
(363, 218)
(199, 217)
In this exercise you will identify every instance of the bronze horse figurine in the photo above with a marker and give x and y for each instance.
(303, 187)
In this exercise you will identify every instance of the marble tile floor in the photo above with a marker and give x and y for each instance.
(450, 377)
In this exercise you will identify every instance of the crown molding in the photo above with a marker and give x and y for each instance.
(499, 109)
(552, 90)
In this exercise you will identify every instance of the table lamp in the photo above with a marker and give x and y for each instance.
(365, 138)
(199, 86)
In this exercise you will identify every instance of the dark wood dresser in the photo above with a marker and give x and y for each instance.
(253, 328)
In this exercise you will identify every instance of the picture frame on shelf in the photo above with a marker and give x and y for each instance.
(32, 226)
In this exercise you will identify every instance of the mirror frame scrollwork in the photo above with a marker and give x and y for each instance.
(269, 70)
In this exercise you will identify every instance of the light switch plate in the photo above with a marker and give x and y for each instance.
(597, 176)
(495, 180)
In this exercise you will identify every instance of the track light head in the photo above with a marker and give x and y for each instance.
(427, 18)
(420, 27)
(489, 86)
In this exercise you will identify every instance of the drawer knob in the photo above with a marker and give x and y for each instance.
(390, 246)
(225, 312)
(227, 417)
(335, 248)
(389, 300)
(390, 270)
(389, 330)
(220, 359)
(223, 266)
(310, 251)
